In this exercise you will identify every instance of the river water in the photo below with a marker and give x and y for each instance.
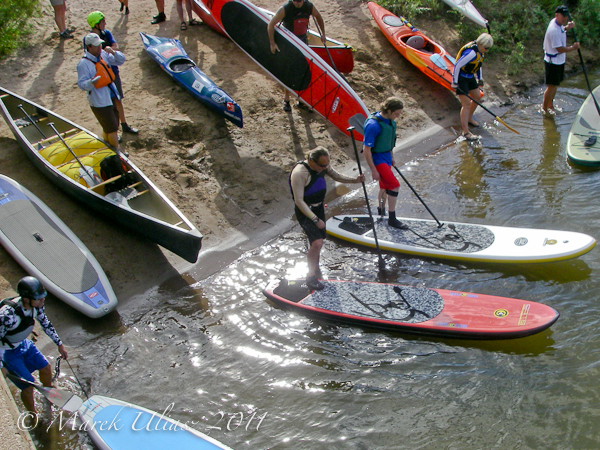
(220, 357)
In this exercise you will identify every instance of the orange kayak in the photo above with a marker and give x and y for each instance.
(428, 56)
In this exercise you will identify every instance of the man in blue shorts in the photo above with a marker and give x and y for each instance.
(555, 54)
(378, 145)
(19, 355)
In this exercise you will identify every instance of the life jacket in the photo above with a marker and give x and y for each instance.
(297, 19)
(23, 329)
(386, 141)
(107, 76)
(316, 189)
(474, 65)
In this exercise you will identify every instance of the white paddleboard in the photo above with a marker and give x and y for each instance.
(47, 249)
(583, 144)
(466, 8)
(462, 241)
(116, 425)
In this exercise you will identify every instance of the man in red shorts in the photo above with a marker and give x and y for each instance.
(379, 141)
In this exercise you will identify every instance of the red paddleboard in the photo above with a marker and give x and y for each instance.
(298, 68)
(434, 312)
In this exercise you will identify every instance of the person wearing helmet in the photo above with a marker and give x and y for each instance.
(97, 22)
(19, 355)
(467, 78)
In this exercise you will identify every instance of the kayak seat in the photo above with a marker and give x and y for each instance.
(416, 42)
(181, 65)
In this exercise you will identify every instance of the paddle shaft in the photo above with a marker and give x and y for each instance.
(587, 80)
(440, 225)
(326, 49)
(31, 120)
(73, 372)
(55, 396)
(381, 261)
(51, 125)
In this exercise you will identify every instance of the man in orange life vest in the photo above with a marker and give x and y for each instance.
(95, 76)
(295, 15)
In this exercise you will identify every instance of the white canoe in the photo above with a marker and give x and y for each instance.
(583, 144)
(462, 241)
(466, 8)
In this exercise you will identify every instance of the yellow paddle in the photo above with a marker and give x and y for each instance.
(413, 58)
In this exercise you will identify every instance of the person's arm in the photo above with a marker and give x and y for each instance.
(298, 181)
(86, 75)
(334, 174)
(278, 17)
(465, 59)
(113, 57)
(568, 49)
(321, 23)
(51, 332)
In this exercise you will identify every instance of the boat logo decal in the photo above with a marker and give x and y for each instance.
(93, 294)
(550, 241)
(451, 324)
(171, 52)
(230, 106)
(336, 102)
(501, 313)
(520, 242)
(524, 314)
(463, 294)
(217, 98)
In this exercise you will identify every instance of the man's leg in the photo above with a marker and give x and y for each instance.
(549, 95)
(314, 257)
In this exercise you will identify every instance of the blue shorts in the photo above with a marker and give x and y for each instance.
(23, 360)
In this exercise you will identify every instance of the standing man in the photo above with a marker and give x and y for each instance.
(555, 49)
(309, 187)
(97, 21)
(295, 15)
(466, 69)
(19, 355)
(60, 17)
(96, 77)
(378, 145)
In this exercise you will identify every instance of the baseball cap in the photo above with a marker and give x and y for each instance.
(92, 39)
(562, 10)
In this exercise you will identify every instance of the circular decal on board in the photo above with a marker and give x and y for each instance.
(520, 242)
(501, 313)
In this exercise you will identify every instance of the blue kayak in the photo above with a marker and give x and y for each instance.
(171, 56)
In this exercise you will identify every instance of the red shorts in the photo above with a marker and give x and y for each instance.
(387, 178)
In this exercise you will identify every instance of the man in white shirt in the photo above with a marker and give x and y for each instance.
(555, 54)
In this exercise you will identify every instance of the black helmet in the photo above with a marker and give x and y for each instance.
(31, 288)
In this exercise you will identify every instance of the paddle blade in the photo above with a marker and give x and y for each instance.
(62, 399)
(505, 124)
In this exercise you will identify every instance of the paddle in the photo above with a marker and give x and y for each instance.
(62, 399)
(440, 225)
(326, 49)
(85, 169)
(381, 261)
(57, 373)
(583, 67)
(20, 106)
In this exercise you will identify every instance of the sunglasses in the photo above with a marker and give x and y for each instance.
(324, 166)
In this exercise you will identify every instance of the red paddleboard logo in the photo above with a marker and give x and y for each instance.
(93, 294)
(335, 104)
(171, 52)
(230, 106)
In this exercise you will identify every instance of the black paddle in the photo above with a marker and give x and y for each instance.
(583, 67)
(440, 225)
(381, 261)
(62, 399)
(57, 373)
(31, 120)
(327, 50)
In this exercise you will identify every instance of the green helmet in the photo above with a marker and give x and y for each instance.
(94, 18)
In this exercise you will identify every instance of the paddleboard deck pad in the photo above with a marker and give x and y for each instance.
(419, 310)
(116, 425)
(298, 68)
(461, 241)
(47, 249)
(583, 144)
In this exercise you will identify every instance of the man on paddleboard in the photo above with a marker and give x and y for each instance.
(18, 354)
(555, 54)
(307, 182)
(295, 15)
(378, 145)
(467, 78)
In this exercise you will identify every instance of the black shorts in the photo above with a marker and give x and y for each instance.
(108, 117)
(310, 228)
(554, 73)
(466, 85)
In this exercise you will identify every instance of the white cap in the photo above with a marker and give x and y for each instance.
(92, 39)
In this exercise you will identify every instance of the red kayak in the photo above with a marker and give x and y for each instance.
(341, 54)
(418, 310)
(297, 67)
(428, 56)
